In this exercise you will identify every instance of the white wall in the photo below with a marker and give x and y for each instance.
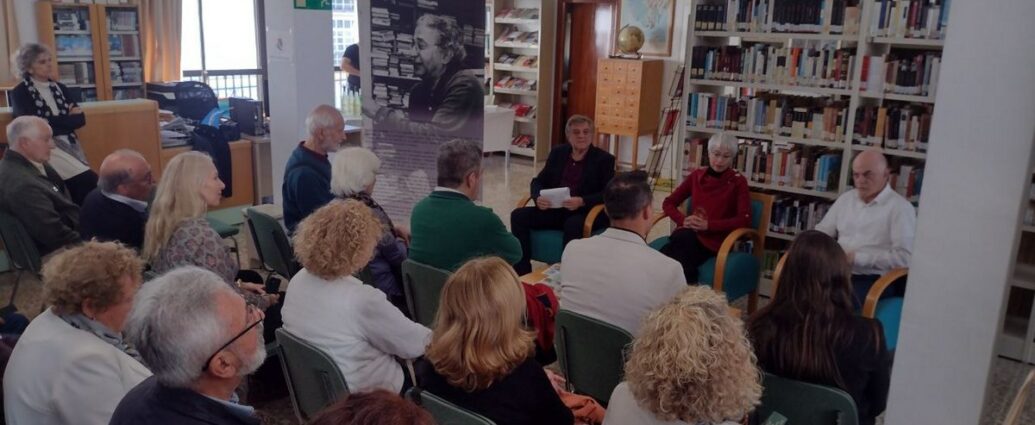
(300, 77)
(25, 12)
(975, 179)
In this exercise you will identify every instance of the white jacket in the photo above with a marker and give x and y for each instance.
(62, 375)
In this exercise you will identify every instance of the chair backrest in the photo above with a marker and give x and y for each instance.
(313, 378)
(591, 353)
(806, 404)
(444, 412)
(19, 246)
(422, 285)
(271, 243)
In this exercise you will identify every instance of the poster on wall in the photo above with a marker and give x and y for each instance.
(427, 69)
(654, 18)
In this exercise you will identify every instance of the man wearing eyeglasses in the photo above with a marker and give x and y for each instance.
(117, 209)
(873, 223)
(200, 339)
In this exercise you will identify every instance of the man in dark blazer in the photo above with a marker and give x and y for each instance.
(31, 191)
(117, 209)
(581, 167)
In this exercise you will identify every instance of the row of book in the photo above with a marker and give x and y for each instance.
(771, 257)
(76, 73)
(515, 36)
(908, 180)
(383, 17)
(474, 36)
(392, 54)
(523, 141)
(125, 45)
(516, 83)
(910, 18)
(526, 61)
(73, 45)
(77, 19)
(791, 116)
(427, 4)
(798, 16)
(122, 20)
(127, 72)
(791, 216)
(790, 165)
(522, 110)
(92, 1)
(911, 73)
(531, 13)
(894, 126)
(391, 95)
(815, 65)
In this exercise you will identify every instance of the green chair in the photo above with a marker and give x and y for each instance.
(444, 412)
(591, 354)
(548, 245)
(422, 285)
(21, 250)
(313, 378)
(806, 404)
(271, 243)
(226, 231)
(735, 273)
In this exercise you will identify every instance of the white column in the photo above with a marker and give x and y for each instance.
(970, 209)
(301, 75)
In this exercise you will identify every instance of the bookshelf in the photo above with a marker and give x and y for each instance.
(806, 85)
(520, 59)
(1017, 335)
(97, 47)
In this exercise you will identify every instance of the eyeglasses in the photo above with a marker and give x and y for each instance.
(250, 311)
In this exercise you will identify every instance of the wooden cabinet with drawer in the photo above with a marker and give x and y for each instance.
(628, 93)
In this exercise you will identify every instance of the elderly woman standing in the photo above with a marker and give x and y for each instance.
(353, 175)
(691, 364)
(39, 95)
(720, 204)
(71, 366)
(328, 307)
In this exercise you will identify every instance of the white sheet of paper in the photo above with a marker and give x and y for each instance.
(556, 196)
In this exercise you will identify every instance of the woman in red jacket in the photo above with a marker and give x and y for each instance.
(720, 204)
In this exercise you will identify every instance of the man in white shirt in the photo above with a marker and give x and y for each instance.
(874, 224)
(615, 276)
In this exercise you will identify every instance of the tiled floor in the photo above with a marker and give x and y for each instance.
(501, 192)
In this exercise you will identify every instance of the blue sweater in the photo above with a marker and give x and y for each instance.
(307, 185)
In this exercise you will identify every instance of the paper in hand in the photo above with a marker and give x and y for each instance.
(556, 196)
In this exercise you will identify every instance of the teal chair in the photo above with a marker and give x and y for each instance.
(735, 273)
(271, 243)
(888, 310)
(313, 378)
(20, 249)
(806, 404)
(548, 245)
(444, 412)
(422, 286)
(591, 353)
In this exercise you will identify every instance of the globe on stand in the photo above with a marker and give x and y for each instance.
(630, 41)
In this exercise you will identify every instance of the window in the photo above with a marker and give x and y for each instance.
(218, 50)
(344, 27)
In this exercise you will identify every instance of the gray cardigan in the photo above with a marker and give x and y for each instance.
(40, 203)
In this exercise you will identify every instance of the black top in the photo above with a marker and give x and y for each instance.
(352, 53)
(865, 367)
(599, 168)
(109, 220)
(525, 397)
(156, 404)
(62, 125)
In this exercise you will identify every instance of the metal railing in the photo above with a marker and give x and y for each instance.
(231, 82)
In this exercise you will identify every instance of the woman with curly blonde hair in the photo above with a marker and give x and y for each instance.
(481, 356)
(691, 364)
(331, 309)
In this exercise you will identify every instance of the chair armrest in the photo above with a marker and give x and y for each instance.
(870, 306)
(524, 201)
(587, 225)
(657, 219)
(727, 246)
(777, 272)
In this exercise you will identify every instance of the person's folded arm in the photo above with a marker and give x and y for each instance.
(43, 223)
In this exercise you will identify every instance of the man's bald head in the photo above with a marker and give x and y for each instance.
(127, 173)
(870, 173)
(326, 128)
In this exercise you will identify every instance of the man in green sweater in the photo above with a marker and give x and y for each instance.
(447, 227)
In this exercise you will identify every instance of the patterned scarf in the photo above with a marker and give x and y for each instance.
(369, 201)
(71, 144)
(81, 322)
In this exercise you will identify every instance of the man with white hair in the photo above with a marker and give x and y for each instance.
(117, 209)
(32, 191)
(307, 176)
(200, 339)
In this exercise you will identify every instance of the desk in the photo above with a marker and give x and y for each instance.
(240, 160)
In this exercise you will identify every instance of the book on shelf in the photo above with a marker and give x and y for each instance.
(907, 180)
(122, 20)
(521, 13)
(526, 61)
(66, 19)
(427, 4)
(908, 73)
(473, 36)
(519, 37)
(804, 63)
(925, 19)
(778, 115)
(791, 216)
(391, 95)
(74, 45)
(789, 165)
(523, 141)
(521, 110)
(897, 125)
(516, 83)
(788, 16)
(770, 258)
(75, 73)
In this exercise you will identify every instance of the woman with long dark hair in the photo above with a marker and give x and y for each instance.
(810, 332)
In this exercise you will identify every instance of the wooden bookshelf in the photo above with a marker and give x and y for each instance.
(864, 39)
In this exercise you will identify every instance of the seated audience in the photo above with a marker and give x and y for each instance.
(307, 175)
(579, 166)
(378, 407)
(32, 191)
(72, 366)
(691, 364)
(615, 276)
(201, 339)
(448, 228)
(39, 95)
(481, 355)
(720, 204)
(177, 233)
(809, 330)
(331, 309)
(354, 173)
(873, 223)
(117, 209)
